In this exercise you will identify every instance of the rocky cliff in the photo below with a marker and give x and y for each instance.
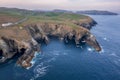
(25, 42)
(24, 39)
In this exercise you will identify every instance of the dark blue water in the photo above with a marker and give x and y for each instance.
(66, 62)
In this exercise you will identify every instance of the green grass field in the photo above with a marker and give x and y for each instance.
(44, 17)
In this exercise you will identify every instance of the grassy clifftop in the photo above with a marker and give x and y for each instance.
(13, 15)
(70, 19)
(30, 29)
(56, 17)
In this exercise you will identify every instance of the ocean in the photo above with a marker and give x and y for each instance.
(58, 61)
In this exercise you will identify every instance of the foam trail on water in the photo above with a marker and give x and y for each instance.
(115, 55)
(102, 50)
(40, 70)
(52, 59)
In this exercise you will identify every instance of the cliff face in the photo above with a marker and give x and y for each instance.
(10, 47)
(42, 31)
(87, 23)
(25, 42)
(24, 37)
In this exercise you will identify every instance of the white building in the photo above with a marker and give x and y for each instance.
(7, 24)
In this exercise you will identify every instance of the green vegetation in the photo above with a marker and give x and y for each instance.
(48, 17)
(13, 15)
(58, 16)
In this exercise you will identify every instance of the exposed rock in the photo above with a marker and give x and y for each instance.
(26, 46)
(10, 47)
(86, 23)
(31, 29)
(65, 32)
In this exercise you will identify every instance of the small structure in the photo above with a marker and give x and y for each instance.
(7, 24)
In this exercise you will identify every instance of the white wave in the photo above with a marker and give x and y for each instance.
(113, 54)
(52, 59)
(33, 60)
(40, 71)
(102, 49)
(42, 68)
(105, 38)
(90, 49)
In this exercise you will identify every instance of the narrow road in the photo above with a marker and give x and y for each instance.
(20, 21)
(15, 23)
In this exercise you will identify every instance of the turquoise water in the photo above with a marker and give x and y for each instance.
(58, 61)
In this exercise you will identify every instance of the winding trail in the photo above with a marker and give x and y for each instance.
(15, 23)
(20, 21)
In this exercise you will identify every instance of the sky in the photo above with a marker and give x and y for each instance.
(111, 5)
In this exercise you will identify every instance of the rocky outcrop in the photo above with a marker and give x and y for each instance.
(22, 37)
(77, 35)
(86, 23)
(12, 45)
(41, 33)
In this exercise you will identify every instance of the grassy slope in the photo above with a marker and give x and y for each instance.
(56, 17)
(12, 15)
(49, 17)
(35, 17)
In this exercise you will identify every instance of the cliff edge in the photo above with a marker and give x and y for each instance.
(24, 39)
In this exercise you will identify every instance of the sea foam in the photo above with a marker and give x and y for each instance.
(34, 59)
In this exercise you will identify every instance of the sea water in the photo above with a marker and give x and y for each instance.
(58, 61)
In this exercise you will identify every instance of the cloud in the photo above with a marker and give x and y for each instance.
(62, 4)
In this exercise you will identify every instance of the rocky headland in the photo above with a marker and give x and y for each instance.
(26, 38)
(96, 12)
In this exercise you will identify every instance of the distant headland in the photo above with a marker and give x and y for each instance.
(96, 12)
(89, 12)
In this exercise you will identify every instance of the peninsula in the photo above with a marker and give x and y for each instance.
(96, 12)
(22, 32)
